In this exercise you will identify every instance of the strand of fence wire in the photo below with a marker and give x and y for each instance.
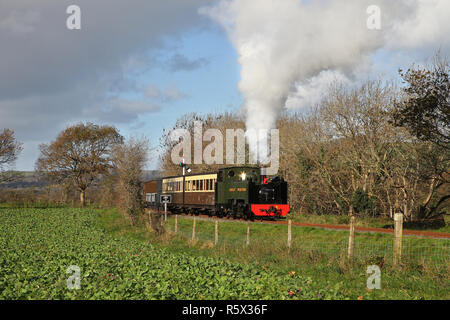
(307, 241)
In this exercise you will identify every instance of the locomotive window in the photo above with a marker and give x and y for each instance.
(231, 173)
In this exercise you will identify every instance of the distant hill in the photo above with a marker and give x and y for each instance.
(25, 179)
(29, 179)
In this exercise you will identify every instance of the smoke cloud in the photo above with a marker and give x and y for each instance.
(290, 50)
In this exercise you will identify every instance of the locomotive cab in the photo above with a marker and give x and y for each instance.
(243, 192)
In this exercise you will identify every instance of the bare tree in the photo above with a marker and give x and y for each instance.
(10, 148)
(130, 159)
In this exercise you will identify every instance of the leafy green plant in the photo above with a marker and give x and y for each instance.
(37, 246)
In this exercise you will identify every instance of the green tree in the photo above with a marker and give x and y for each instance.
(425, 111)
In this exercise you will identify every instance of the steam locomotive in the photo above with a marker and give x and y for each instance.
(233, 192)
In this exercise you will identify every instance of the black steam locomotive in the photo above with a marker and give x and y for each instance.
(236, 192)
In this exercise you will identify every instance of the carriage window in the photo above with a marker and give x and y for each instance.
(201, 185)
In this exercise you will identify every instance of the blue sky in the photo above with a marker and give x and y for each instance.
(141, 64)
(211, 88)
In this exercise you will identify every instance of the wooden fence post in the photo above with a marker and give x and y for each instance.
(248, 234)
(149, 218)
(176, 223)
(351, 238)
(216, 233)
(289, 233)
(398, 233)
(193, 229)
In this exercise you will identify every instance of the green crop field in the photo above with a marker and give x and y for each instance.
(117, 261)
(37, 246)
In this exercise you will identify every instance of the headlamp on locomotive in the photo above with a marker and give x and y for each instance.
(244, 192)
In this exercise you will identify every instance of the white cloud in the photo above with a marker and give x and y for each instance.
(51, 76)
(288, 49)
(171, 93)
(18, 22)
(310, 92)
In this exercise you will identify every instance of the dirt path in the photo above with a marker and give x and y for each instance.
(406, 232)
(417, 233)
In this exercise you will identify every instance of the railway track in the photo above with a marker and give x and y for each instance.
(406, 232)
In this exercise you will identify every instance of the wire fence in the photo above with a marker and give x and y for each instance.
(313, 244)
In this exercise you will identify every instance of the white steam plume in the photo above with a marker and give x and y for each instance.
(292, 48)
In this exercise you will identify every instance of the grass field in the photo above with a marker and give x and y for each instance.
(316, 254)
(118, 261)
(374, 222)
